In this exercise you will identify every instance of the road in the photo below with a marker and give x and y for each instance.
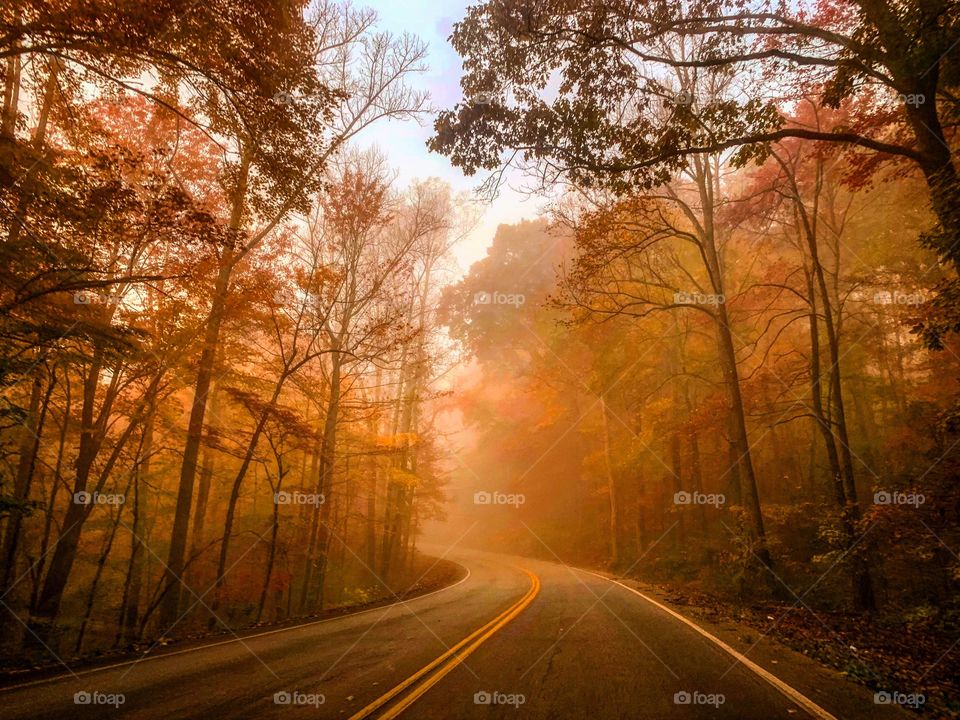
(517, 638)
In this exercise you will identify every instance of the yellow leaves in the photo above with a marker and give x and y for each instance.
(402, 477)
(398, 440)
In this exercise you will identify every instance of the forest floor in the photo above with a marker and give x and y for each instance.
(430, 574)
(882, 653)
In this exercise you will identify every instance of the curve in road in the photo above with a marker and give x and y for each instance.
(562, 643)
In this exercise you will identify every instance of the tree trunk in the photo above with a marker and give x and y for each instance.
(614, 529)
(862, 581)
(741, 444)
(133, 583)
(821, 419)
(101, 562)
(938, 170)
(11, 97)
(320, 515)
(235, 493)
(742, 463)
(38, 574)
(39, 140)
(696, 468)
(371, 519)
(32, 429)
(272, 553)
(48, 603)
(170, 608)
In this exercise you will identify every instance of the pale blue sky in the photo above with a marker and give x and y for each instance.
(404, 142)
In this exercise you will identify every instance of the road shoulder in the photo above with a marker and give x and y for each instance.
(448, 574)
(825, 686)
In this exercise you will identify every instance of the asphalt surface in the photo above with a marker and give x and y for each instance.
(581, 647)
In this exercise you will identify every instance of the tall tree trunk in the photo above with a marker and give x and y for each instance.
(740, 441)
(95, 583)
(696, 469)
(342, 523)
(675, 473)
(170, 607)
(936, 164)
(397, 490)
(320, 515)
(396, 513)
(39, 140)
(696, 476)
(272, 550)
(203, 486)
(38, 573)
(409, 532)
(742, 462)
(11, 97)
(133, 582)
(862, 580)
(371, 519)
(821, 419)
(614, 527)
(235, 492)
(48, 603)
(374, 483)
(32, 430)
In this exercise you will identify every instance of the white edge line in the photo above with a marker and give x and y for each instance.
(806, 703)
(90, 671)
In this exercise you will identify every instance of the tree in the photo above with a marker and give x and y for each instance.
(281, 167)
(577, 91)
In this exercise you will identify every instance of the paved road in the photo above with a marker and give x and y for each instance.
(532, 640)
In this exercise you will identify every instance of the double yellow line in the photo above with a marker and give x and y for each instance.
(446, 662)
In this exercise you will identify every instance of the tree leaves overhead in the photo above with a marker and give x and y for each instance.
(589, 89)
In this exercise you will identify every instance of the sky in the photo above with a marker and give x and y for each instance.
(405, 142)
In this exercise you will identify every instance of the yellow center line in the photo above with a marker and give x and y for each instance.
(455, 657)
